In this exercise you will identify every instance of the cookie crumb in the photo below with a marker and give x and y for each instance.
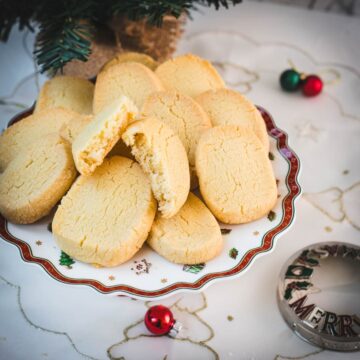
(226, 231)
(271, 216)
(233, 253)
(328, 228)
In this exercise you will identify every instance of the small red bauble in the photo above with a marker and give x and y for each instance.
(159, 320)
(312, 85)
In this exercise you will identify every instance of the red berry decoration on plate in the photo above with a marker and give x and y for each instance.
(160, 321)
(312, 85)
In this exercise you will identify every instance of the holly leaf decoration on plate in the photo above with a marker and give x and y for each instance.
(194, 269)
(66, 260)
(233, 253)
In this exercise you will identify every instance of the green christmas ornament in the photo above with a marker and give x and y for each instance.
(290, 80)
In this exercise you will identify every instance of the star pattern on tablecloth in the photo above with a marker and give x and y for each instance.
(308, 130)
(141, 267)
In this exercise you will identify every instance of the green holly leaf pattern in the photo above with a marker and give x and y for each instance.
(66, 260)
(233, 253)
(194, 269)
(295, 285)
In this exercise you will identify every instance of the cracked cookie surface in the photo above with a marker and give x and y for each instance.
(68, 92)
(131, 56)
(228, 107)
(19, 136)
(192, 236)
(130, 79)
(235, 174)
(36, 180)
(189, 74)
(105, 218)
(72, 129)
(162, 156)
(184, 116)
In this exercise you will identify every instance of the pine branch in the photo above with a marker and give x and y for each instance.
(66, 25)
(64, 33)
(153, 11)
(219, 3)
(61, 42)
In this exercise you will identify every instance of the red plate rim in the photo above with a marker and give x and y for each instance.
(288, 204)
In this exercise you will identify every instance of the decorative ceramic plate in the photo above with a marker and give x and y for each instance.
(148, 275)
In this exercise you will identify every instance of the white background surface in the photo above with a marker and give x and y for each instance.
(43, 319)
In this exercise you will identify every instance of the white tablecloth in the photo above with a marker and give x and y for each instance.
(238, 319)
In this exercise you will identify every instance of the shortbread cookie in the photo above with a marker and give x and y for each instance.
(185, 117)
(19, 136)
(130, 56)
(189, 74)
(105, 218)
(131, 79)
(163, 157)
(225, 107)
(36, 180)
(98, 137)
(192, 236)
(68, 92)
(235, 175)
(72, 129)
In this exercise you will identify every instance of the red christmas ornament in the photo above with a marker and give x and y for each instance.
(312, 85)
(160, 321)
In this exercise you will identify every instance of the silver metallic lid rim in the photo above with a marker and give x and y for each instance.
(304, 331)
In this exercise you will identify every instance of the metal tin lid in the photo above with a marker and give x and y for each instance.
(319, 295)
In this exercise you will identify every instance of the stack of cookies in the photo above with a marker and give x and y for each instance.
(123, 156)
